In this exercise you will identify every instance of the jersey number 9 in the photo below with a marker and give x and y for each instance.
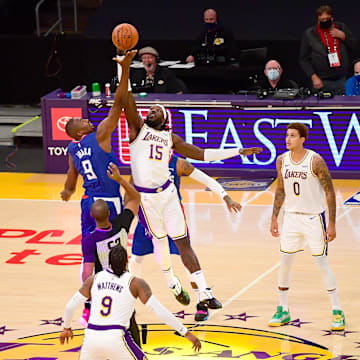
(88, 170)
(106, 304)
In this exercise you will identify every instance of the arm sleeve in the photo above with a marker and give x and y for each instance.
(165, 315)
(71, 306)
(220, 154)
(124, 220)
(208, 181)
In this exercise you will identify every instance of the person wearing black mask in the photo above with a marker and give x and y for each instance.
(324, 52)
(215, 45)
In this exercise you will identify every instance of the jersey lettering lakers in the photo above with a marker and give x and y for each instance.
(112, 302)
(150, 154)
(303, 191)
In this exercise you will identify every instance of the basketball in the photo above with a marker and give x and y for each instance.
(125, 36)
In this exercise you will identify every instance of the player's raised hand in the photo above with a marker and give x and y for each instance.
(274, 228)
(127, 59)
(195, 341)
(113, 172)
(250, 151)
(65, 335)
(233, 206)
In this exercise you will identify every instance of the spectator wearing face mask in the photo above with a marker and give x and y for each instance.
(273, 79)
(353, 83)
(324, 52)
(215, 44)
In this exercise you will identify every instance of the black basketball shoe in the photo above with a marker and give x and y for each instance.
(202, 311)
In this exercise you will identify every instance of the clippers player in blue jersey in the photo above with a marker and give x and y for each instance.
(151, 143)
(90, 153)
(143, 244)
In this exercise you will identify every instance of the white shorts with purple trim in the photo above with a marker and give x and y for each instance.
(114, 344)
(161, 214)
(299, 229)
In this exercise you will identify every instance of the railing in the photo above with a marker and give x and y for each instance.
(58, 22)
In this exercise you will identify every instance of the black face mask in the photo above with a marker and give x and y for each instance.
(325, 24)
(210, 26)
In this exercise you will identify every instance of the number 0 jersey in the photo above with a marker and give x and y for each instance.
(303, 191)
(112, 302)
(150, 154)
(92, 162)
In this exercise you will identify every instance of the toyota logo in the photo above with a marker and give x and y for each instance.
(61, 122)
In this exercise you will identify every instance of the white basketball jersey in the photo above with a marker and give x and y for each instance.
(303, 191)
(112, 302)
(150, 155)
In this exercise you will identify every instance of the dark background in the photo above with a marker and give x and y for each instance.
(169, 26)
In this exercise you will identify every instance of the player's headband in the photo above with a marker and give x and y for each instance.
(163, 110)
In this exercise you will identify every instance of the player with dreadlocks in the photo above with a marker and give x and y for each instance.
(151, 144)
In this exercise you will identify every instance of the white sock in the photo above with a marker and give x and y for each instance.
(199, 279)
(169, 276)
(334, 298)
(162, 256)
(329, 281)
(283, 299)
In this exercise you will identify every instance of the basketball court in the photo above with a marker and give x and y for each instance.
(41, 255)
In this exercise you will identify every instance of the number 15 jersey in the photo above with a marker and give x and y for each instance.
(150, 154)
(303, 191)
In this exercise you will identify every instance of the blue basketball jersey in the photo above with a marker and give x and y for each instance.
(174, 176)
(92, 162)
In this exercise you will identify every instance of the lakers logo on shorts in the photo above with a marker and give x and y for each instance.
(161, 342)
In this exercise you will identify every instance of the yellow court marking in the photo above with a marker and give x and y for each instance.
(49, 186)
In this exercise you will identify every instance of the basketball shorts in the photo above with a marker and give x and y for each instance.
(299, 229)
(142, 243)
(161, 214)
(87, 222)
(109, 344)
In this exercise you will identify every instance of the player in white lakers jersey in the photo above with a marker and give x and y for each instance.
(113, 293)
(304, 182)
(160, 212)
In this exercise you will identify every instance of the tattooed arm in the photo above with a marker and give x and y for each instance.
(279, 198)
(322, 172)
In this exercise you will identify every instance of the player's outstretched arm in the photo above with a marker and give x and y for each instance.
(132, 197)
(139, 288)
(321, 170)
(108, 125)
(70, 183)
(133, 118)
(78, 299)
(184, 168)
(197, 153)
(279, 198)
